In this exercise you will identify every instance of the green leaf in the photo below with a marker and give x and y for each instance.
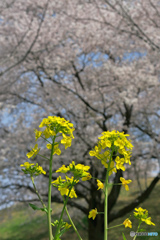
(142, 230)
(45, 210)
(34, 207)
(124, 238)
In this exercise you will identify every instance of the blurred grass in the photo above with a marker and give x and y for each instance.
(20, 222)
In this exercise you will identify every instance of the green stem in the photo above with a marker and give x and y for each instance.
(106, 200)
(106, 209)
(65, 203)
(49, 191)
(42, 156)
(75, 229)
(102, 180)
(116, 226)
(137, 230)
(45, 139)
(36, 191)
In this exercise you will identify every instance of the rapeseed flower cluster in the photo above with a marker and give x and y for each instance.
(32, 169)
(113, 150)
(53, 126)
(142, 215)
(116, 147)
(64, 225)
(66, 186)
(78, 171)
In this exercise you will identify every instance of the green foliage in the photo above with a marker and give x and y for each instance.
(142, 230)
(124, 238)
(34, 207)
(20, 224)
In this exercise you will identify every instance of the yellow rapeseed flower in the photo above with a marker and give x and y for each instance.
(37, 134)
(56, 149)
(112, 168)
(96, 152)
(44, 122)
(82, 167)
(125, 182)
(58, 181)
(127, 223)
(40, 169)
(63, 190)
(80, 171)
(115, 143)
(64, 186)
(66, 141)
(87, 177)
(142, 214)
(56, 125)
(33, 152)
(93, 213)
(26, 165)
(119, 143)
(104, 163)
(148, 221)
(32, 169)
(100, 184)
(119, 163)
(72, 193)
(47, 133)
(63, 169)
(67, 226)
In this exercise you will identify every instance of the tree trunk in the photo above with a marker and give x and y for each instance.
(95, 228)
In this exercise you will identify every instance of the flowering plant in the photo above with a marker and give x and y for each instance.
(113, 149)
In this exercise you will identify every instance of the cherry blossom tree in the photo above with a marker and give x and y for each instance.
(96, 63)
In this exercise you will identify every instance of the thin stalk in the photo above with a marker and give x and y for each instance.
(106, 209)
(75, 229)
(36, 191)
(116, 226)
(65, 203)
(106, 200)
(46, 139)
(42, 156)
(49, 191)
(137, 231)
